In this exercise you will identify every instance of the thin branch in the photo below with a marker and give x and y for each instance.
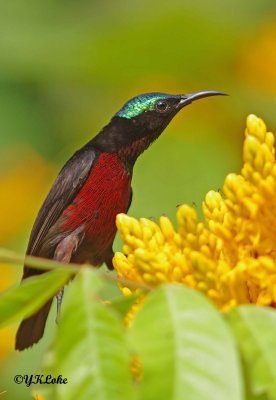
(8, 256)
(44, 264)
(125, 282)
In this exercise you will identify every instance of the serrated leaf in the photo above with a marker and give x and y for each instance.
(255, 331)
(186, 349)
(27, 298)
(90, 348)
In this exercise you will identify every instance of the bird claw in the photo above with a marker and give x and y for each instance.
(59, 297)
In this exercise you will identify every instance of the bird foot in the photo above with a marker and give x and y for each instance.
(59, 297)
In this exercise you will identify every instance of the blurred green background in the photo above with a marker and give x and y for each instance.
(66, 67)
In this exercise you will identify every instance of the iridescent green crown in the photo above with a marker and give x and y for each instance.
(140, 104)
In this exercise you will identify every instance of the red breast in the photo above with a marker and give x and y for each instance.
(105, 194)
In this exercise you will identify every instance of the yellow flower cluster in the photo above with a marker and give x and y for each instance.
(230, 256)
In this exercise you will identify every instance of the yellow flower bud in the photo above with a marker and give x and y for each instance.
(142, 254)
(256, 127)
(167, 227)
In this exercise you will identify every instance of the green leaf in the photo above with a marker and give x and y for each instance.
(186, 349)
(90, 348)
(250, 396)
(33, 293)
(123, 304)
(255, 331)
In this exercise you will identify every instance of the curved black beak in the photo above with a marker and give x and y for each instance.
(189, 98)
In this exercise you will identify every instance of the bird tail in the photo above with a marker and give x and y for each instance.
(31, 329)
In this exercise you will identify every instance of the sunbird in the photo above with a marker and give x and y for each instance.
(76, 222)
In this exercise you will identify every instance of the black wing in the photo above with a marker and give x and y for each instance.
(130, 199)
(68, 183)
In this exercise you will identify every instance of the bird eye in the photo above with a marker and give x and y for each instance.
(161, 106)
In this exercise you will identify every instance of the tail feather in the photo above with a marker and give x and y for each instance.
(31, 329)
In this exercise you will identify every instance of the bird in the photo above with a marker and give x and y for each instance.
(76, 222)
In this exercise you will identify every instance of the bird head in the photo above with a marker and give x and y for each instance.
(152, 112)
(142, 119)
